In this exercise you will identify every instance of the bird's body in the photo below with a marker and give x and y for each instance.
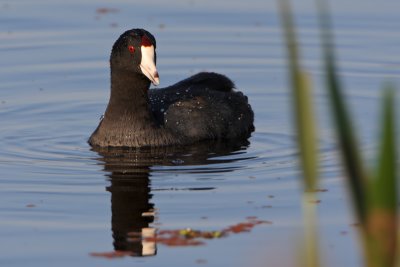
(204, 106)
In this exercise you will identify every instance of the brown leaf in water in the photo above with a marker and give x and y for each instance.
(190, 237)
(112, 254)
(106, 10)
(174, 240)
(321, 190)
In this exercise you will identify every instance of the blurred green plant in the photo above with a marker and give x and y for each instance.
(373, 193)
(304, 121)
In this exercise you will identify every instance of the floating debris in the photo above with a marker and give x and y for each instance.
(190, 237)
(321, 190)
(112, 254)
(106, 10)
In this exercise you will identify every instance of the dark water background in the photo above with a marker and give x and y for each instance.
(61, 201)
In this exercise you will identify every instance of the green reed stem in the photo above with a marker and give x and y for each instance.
(351, 158)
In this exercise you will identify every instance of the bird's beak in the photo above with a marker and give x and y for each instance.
(147, 65)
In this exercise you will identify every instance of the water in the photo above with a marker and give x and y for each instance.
(62, 201)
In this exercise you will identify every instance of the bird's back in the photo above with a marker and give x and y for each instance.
(204, 106)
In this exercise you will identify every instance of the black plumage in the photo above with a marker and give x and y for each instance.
(202, 107)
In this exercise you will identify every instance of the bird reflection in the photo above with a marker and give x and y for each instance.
(129, 169)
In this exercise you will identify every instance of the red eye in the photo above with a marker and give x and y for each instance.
(131, 49)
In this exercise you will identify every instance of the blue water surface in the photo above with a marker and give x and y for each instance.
(61, 201)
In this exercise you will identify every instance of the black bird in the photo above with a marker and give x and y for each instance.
(203, 106)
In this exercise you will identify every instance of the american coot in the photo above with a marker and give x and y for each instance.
(201, 107)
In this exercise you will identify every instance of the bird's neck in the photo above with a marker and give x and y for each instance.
(129, 100)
